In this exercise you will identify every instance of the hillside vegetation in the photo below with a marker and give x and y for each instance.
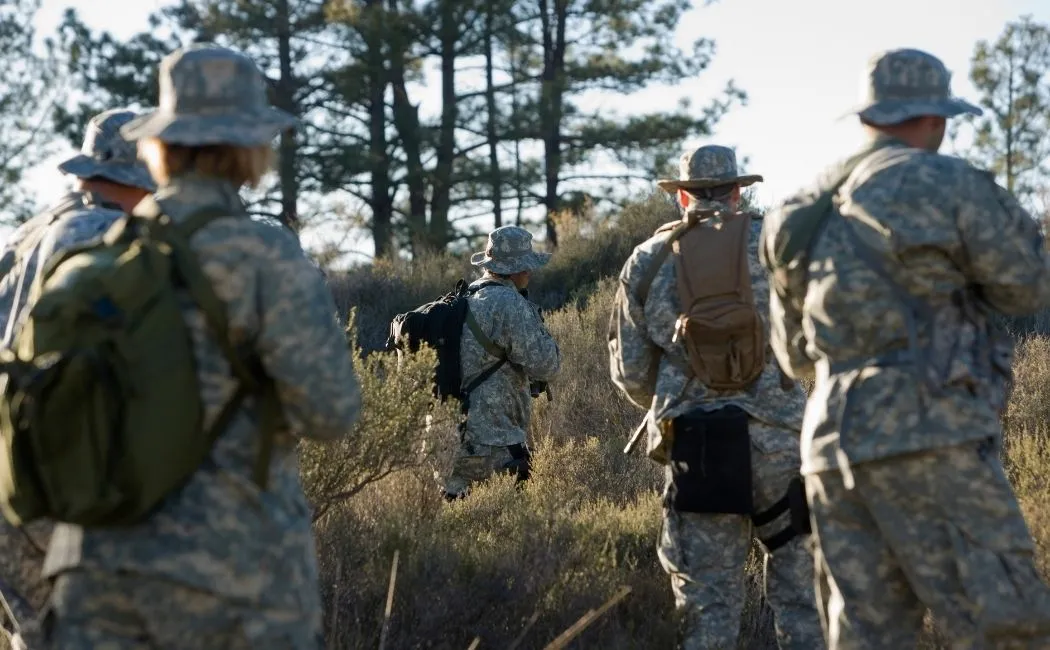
(515, 568)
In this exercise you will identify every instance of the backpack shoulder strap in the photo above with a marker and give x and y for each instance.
(475, 329)
(483, 338)
(688, 221)
(251, 379)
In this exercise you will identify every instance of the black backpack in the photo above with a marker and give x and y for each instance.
(439, 324)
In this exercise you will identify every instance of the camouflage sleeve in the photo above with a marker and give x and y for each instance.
(303, 347)
(529, 344)
(1005, 251)
(634, 359)
(787, 338)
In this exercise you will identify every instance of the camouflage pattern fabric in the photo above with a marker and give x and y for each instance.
(219, 534)
(707, 166)
(501, 407)
(118, 612)
(938, 529)
(76, 218)
(705, 555)
(960, 233)
(509, 251)
(906, 375)
(106, 155)
(211, 95)
(903, 83)
(641, 349)
(475, 463)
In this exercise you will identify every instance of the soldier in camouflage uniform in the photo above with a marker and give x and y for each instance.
(705, 554)
(220, 564)
(109, 180)
(493, 438)
(910, 505)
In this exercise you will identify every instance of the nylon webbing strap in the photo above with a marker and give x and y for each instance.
(660, 257)
(483, 338)
(250, 381)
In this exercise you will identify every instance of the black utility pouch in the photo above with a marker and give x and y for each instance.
(711, 463)
(798, 506)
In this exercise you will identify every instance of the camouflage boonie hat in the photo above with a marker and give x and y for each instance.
(211, 95)
(901, 84)
(509, 251)
(707, 166)
(106, 154)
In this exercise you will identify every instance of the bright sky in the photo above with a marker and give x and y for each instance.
(799, 60)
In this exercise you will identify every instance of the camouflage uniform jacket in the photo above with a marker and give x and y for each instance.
(219, 533)
(76, 218)
(959, 247)
(501, 407)
(642, 355)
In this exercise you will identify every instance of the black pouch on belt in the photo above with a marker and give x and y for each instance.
(711, 463)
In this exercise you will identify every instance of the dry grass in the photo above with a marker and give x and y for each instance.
(508, 561)
(585, 526)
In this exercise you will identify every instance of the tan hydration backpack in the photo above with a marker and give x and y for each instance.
(719, 324)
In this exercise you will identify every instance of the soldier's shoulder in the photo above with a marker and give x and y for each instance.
(933, 171)
(498, 292)
(643, 253)
(251, 237)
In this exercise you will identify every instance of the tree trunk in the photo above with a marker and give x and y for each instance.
(495, 177)
(551, 100)
(406, 121)
(285, 97)
(441, 199)
(381, 201)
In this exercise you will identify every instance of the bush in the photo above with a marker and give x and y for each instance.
(584, 526)
(589, 251)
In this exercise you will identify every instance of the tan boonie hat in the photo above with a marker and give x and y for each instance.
(901, 84)
(509, 251)
(211, 95)
(708, 166)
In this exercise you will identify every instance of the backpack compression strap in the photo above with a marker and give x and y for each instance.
(251, 378)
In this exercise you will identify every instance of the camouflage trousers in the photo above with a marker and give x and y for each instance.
(22, 563)
(474, 463)
(939, 529)
(122, 611)
(706, 557)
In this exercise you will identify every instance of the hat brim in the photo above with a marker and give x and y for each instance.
(895, 111)
(244, 129)
(671, 185)
(83, 166)
(528, 262)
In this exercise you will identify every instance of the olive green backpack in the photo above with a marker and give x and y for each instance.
(100, 408)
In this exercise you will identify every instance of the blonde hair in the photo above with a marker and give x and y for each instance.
(238, 165)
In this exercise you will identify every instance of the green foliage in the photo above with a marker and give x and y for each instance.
(399, 429)
(1012, 138)
(30, 88)
(585, 525)
(108, 72)
(515, 142)
(591, 248)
